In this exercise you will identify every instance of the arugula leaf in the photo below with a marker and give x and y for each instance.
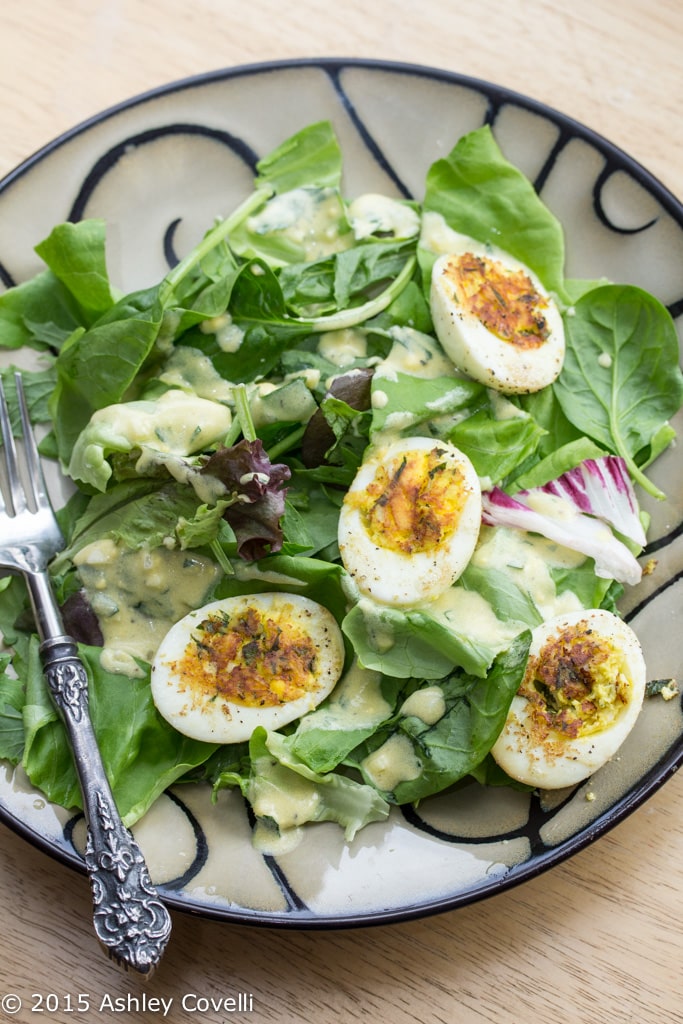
(331, 283)
(621, 382)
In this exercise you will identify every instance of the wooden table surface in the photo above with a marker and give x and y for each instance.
(597, 940)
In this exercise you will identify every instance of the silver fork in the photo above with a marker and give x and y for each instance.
(131, 921)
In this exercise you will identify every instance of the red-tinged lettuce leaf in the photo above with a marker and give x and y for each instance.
(256, 515)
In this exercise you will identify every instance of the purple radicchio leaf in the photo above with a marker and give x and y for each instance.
(602, 488)
(259, 498)
(80, 620)
(591, 501)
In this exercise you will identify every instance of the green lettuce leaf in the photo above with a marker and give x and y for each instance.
(452, 747)
(285, 792)
(142, 754)
(621, 382)
(481, 194)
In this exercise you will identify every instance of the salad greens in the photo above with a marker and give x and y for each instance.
(216, 420)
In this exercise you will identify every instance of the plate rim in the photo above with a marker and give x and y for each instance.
(646, 785)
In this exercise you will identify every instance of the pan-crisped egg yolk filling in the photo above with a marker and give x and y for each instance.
(250, 658)
(504, 301)
(414, 502)
(578, 684)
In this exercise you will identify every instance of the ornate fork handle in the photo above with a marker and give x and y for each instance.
(130, 920)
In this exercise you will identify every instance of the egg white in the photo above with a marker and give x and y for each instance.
(396, 577)
(476, 350)
(188, 694)
(546, 758)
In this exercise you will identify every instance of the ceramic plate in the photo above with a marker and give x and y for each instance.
(159, 169)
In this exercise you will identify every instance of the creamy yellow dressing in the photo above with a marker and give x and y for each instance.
(528, 559)
(503, 408)
(379, 632)
(356, 702)
(372, 214)
(343, 347)
(469, 614)
(191, 370)
(437, 237)
(310, 218)
(288, 402)
(414, 353)
(138, 595)
(175, 423)
(290, 800)
(209, 489)
(427, 704)
(394, 762)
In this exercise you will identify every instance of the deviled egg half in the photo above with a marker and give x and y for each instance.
(495, 320)
(410, 521)
(256, 660)
(580, 698)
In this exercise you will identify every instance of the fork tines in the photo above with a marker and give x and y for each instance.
(35, 481)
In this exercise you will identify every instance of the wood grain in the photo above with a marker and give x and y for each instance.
(597, 940)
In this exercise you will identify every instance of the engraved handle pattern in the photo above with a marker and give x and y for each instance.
(130, 920)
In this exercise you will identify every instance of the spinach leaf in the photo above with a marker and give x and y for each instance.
(39, 313)
(405, 401)
(75, 253)
(361, 701)
(480, 194)
(142, 754)
(450, 749)
(413, 643)
(621, 382)
(311, 157)
(509, 602)
(496, 447)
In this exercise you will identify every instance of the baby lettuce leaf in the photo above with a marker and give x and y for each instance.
(296, 574)
(142, 754)
(361, 701)
(286, 793)
(311, 157)
(412, 643)
(476, 709)
(497, 447)
(11, 719)
(76, 254)
(621, 382)
(480, 194)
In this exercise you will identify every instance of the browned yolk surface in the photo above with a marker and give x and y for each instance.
(414, 502)
(250, 658)
(504, 301)
(576, 682)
